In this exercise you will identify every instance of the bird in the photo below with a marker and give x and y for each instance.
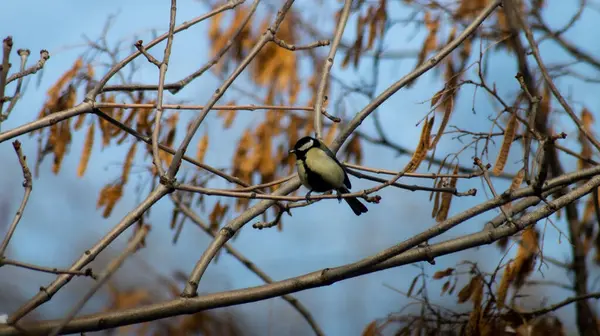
(319, 170)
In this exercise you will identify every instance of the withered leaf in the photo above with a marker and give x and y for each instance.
(422, 147)
(443, 273)
(467, 291)
(509, 136)
(370, 329)
(412, 286)
(128, 162)
(202, 147)
(87, 151)
(445, 287)
(503, 286)
(442, 214)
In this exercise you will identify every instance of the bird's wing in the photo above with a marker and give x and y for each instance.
(326, 149)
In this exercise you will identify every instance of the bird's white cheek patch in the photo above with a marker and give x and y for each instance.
(306, 146)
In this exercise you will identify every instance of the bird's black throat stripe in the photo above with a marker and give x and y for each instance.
(315, 180)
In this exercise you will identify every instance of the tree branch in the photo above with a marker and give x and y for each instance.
(101, 321)
(28, 185)
(320, 98)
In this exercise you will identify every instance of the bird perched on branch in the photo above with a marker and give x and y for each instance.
(319, 170)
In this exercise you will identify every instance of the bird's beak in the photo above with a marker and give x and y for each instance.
(292, 151)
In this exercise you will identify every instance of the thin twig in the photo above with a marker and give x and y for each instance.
(255, 195)
(24, 54)
(52, 270)
(293, 47)
(7, 44)
(44, 56)
(200, 107)
(28, 185)
(139, 45)
(264, 185)
(163, 67)
(320, 98)
(534, 102)
(416, 175)
(486, 177)
(453, 191)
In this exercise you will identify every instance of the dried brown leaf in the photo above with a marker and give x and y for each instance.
(60, 139)
(412, 286)
(476, 298)
(436, 97)
(422, 147)
(515, 184)
(202, 147)
(587, 120)
(509, 136)
(330, 136)
(354, 149)
(108, 198)
(216, 215)
(443, 273)
(372, 28)
(503, 286)
(371, 329)
(545, 107)
(87, 151)
(447, 198)
(128, 162)
(80, 120)
(430, 43)
(445, 287)
(465, 293)
(448, 106)
(525, 258)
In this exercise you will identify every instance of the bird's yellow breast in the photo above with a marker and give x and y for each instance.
(320, 163)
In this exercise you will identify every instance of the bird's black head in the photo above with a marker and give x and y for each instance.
(303, 145)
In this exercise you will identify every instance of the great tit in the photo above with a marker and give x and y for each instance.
(319, 170)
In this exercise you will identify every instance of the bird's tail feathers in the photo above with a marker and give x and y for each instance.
(357, 207)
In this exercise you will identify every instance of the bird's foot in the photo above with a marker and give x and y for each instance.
(339, 196)
(307, 197)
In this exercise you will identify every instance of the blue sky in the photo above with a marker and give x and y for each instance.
(61, 220)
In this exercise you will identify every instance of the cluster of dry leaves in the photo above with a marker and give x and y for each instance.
(490, 314)
(261, 154)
